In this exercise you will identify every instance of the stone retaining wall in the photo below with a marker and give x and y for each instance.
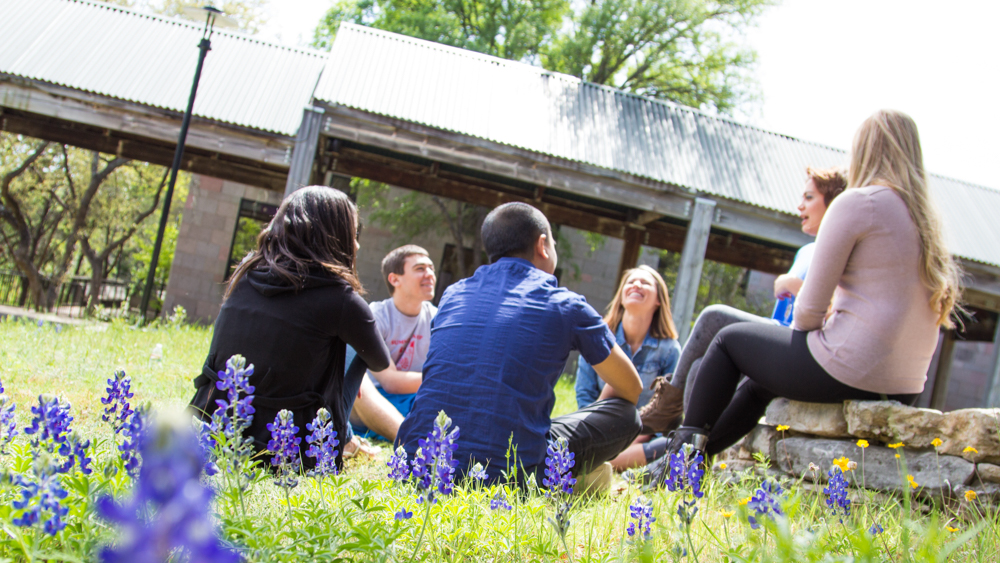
(966, 458)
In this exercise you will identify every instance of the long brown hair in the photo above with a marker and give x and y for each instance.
(887, 152)
(663, 321)
(314, 229)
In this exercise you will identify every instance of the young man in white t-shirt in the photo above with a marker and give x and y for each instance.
(404, 321)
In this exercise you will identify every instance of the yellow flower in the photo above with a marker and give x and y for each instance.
(744, 501)
(936, 442)
(727, 513)
(970, 495)
(913, 483)
(722, 466)
(950, 529)
(896, 445)
(897, 456)
(783, 427)
(970, 450)
(842, 463)
(862, 444)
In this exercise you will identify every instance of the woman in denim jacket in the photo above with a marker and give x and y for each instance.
(644, 328)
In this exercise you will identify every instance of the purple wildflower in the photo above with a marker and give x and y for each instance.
(132, 433)
(499, 501)
(558, 463)
(55, 449)
(207, 444)
(8, 426)
(876, 529)
(434, 463)
(836, 493)
(169, 484)
(322, 444)
(404, 514)
(641, 511)
(765, 502)
(284, 446)
(117, 410)
(231, 418)
(478, 473)
(686, 472)
(399, 468)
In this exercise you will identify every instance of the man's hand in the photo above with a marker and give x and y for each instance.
(620, 375)
(398, 382)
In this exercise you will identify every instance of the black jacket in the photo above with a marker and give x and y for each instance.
(296, 343)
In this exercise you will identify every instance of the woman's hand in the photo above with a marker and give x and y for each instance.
(786, 285)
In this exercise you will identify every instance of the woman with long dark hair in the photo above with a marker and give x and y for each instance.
(290, 309)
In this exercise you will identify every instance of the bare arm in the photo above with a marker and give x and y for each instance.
(619, 373)
(398, 382)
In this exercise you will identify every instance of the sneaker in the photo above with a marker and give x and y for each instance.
(665, 410)
(597, 481)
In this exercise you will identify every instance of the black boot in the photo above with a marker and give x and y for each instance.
(659, 469)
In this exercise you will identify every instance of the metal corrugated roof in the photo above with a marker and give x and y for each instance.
(148, 59)
(525, 106)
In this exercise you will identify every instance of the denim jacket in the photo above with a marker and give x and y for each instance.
(656, 357)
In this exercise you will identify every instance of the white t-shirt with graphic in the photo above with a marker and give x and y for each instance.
(408, 338)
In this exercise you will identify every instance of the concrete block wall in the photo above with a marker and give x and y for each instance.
(203, 244)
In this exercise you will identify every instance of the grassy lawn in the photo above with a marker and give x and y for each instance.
(352, 516)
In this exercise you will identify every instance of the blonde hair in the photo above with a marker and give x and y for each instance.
(663, 322)
(886, 152)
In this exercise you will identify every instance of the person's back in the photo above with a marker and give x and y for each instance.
(499, 344)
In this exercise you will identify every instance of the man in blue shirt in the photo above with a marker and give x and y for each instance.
(498, 346)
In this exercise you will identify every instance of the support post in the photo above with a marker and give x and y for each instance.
(939, 395)
(630, 251)
(994, 395)
(304, 153)
(692, 260)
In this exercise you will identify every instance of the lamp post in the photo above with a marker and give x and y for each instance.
(213, 16)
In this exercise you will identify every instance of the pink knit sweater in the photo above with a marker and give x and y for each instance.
(882, 332)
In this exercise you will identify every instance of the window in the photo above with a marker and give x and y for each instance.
(253, 217)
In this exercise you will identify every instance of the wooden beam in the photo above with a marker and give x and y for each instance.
(630, 252)
(940, 393)
(692, 260)
(722, 247)
(195, 160)
(304, 154)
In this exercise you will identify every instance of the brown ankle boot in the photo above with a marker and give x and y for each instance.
(664, 411)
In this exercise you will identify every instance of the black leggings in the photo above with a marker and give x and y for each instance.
(777, 363)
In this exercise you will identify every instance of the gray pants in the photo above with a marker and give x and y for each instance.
(711, 320)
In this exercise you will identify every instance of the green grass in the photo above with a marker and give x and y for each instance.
(353, 518)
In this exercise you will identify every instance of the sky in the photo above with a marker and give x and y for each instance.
(823, 66)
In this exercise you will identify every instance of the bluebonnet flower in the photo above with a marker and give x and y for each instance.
(207, 444)
(641, 511)
(434, 463)
(56, 449)
(404, 514)
(836, 492)
(686, 472)
(323, 444)
(284, 447)
(765, 502)
(478, 473)
(169, 486)
(558, 463)
(131, 438)
(399, 467)
(8, 426)
(230, 419)
(117, 410)
(876, 529)
(500, 501)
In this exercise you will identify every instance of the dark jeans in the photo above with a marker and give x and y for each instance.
(595, 433)
(353, 376)
(777, 363)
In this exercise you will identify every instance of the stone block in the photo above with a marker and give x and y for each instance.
(894, 422)
(988, 472)
(818, 419)
(879, 470)
(233, 189)
(208, 184)
(229, 211)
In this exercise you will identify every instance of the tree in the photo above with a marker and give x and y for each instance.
(249, 15)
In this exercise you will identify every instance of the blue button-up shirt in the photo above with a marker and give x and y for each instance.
(498, 346)
(654, 358)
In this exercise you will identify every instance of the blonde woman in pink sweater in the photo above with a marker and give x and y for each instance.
(867, 317)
